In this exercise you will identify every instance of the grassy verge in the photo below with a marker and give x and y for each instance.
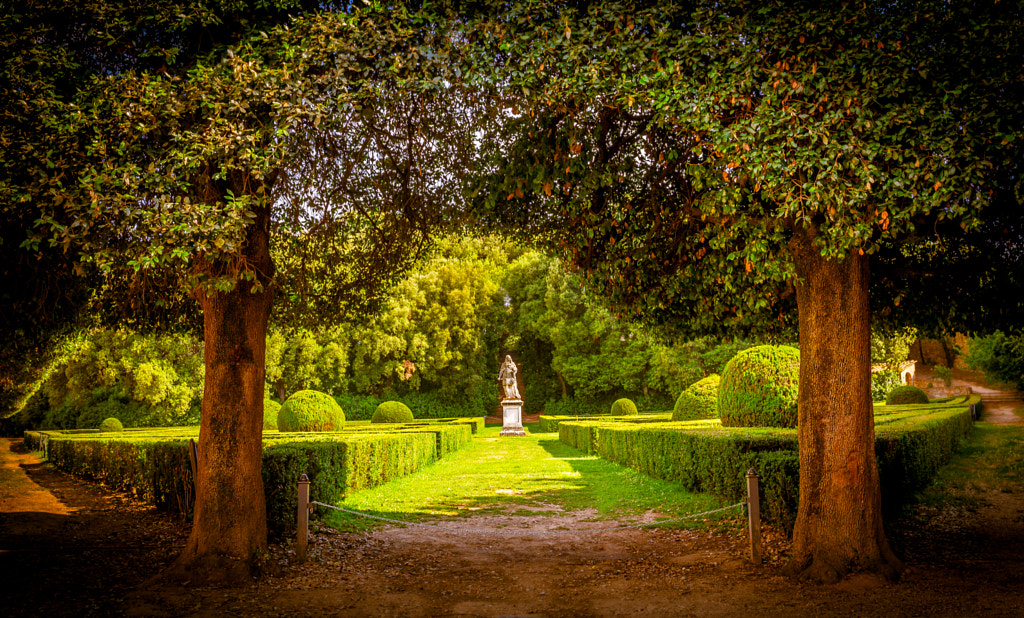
(528, 476)
(991, 459)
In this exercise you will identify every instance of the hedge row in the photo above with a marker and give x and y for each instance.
(549, 423)
(911, 443)
(154, 465)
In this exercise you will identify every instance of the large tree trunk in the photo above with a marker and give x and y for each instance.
(839, 521)
(229, 532)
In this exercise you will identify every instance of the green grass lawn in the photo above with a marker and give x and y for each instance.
(990, 459)
(496, 474)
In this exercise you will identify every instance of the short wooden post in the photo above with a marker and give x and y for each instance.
(754, 516)
(193, 460)
(302, 534)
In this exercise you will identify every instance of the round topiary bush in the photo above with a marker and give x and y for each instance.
(392, 412)
(624, 407)
(111, 424)
(699, 400)
(902, 395)
(310, 411)
(759, 388)
(270, 411)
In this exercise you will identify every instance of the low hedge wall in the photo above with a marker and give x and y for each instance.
(549, 423)
(154, 465)
(911, 443)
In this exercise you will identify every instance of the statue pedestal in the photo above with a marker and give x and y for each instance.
(512, 418)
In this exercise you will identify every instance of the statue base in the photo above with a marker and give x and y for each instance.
(512, 418)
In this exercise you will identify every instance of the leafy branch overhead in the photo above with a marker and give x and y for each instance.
(169, 154)
(673, 149)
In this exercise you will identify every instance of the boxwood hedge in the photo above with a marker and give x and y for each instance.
(549, 423)
(911, 443)
(153, 463)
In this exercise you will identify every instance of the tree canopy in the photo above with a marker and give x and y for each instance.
(673, 148)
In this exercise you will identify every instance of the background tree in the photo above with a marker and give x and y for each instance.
(708, 164)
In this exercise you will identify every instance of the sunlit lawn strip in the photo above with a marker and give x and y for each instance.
(537, 473)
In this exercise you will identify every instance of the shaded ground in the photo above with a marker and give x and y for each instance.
(69, 548)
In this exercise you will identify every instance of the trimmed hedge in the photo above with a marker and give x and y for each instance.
(906, 394)
(310, 411)
(392, 412)
(759, 388)
(111, 424)
(623, 407)
(550, 423)
(336, 467)
(911, 443)
(153, 463)
(699, 400)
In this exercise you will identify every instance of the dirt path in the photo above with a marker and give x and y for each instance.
(960, 562)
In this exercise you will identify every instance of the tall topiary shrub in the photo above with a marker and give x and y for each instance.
(271, 410)
(111, 424)
(392, 412)
(759, 388)
(310, 411)
(624, 407)
(699, 400)
(907, 394)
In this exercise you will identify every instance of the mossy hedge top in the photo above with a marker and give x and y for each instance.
(699, 400)
(392, 412)
(759, 388)
(624, 407)
(904, 395)
(310, 411)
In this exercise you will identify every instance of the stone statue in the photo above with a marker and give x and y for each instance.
(507, 379)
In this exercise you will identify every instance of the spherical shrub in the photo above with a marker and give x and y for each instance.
(392, 412)
(270, 411)
(759, 388)
(310, 411)
(624, 407)
(111, 424)
(902, 395)
(699, 400)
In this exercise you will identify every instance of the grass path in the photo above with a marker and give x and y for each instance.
(531, 475)
(990, 460)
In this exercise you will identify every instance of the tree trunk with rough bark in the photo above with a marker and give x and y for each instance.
(839, 521)
(228, 542)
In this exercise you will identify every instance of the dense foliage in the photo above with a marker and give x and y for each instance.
(906, 394)
(392, 412)
(889, 348)
(759, 388)
(579, 355)
(699, 400)
(310, 411)
(432, 348)
(144, 381)
(1000, 355)
(271, 410)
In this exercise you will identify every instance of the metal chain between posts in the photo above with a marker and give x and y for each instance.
(526, 532)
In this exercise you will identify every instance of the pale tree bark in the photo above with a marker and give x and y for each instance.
(839, 521)
(228, 542)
